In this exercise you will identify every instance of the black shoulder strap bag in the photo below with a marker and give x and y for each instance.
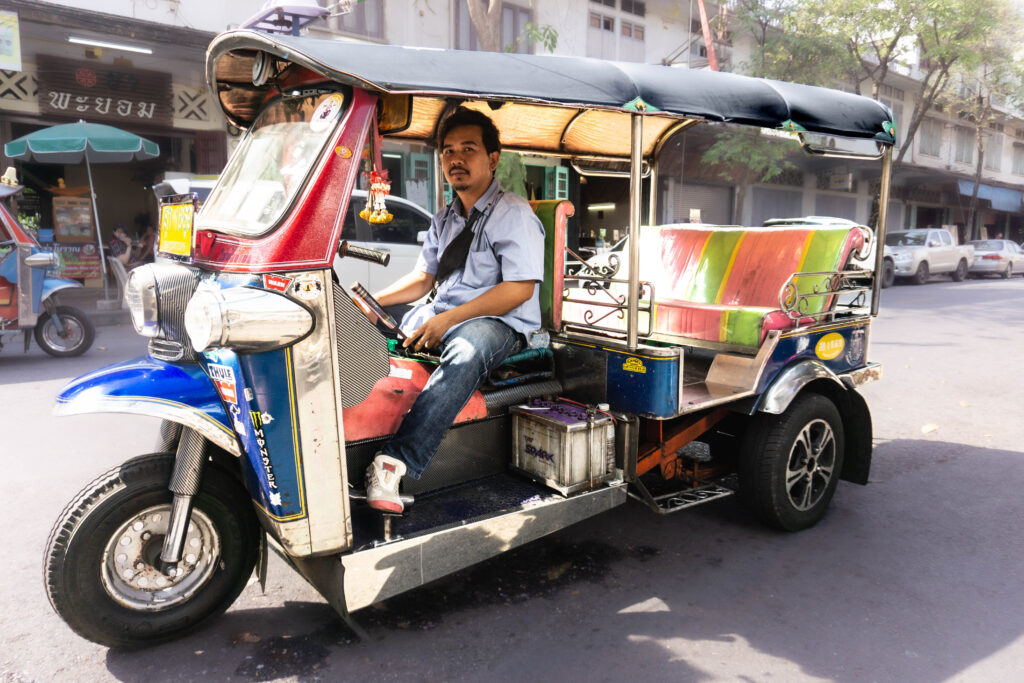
(455, 254)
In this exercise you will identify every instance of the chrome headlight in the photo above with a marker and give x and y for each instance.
(140, 293)
(244, 319)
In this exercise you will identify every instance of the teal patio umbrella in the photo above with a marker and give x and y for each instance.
(70, 143)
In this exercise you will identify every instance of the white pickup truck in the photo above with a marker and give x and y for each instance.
(918, 254)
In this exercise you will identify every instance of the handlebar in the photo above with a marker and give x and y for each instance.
(364, 253)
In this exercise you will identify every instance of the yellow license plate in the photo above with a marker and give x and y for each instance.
(176, 222)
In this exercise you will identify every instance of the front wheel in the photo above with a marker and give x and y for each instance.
(76, 338)
(961, 271)
(921, 276)
(102, 555)
(790, 463)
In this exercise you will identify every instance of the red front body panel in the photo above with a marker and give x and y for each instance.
(392, 397)
(307, 237)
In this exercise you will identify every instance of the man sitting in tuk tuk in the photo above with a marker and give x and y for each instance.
(481, 263)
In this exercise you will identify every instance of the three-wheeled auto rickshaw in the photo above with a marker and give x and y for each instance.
(28, 297)
(698, 362)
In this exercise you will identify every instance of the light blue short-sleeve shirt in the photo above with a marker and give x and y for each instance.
(508, 247)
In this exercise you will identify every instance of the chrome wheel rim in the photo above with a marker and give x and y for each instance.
(129, 574)
(74, 333)
(811, 464)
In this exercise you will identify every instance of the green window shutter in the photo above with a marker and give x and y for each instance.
(556, 182)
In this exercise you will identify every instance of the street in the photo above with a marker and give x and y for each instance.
(915, 577)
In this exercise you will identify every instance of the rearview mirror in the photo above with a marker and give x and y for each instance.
(421, 237)
(42, 259)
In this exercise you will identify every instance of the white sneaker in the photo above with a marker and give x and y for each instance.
(382, 479)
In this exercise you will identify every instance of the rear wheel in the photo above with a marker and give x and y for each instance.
(101, 558)
(961, 271)
(1008, 273)
(76, 338)
(921, 276)
(790, 463)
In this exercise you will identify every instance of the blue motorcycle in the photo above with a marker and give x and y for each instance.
(28, 298)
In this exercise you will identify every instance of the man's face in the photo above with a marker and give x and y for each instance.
(467, 165)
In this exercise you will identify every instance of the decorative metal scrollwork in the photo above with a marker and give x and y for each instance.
(797, 304)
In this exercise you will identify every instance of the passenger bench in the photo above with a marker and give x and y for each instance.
(722, 284)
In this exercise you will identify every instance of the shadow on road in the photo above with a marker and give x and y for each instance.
(908, 578)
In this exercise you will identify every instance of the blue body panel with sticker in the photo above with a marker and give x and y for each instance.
(840, 348)
(258, 394)
(146, 380)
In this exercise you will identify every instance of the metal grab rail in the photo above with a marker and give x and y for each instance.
(796, 304)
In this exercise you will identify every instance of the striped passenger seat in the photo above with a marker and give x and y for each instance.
(723, 284)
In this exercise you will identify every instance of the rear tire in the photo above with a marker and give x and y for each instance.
(790, 463)
(1008, 273)
(921, 276)
(100, 557)
(961, 271)
(78, 333)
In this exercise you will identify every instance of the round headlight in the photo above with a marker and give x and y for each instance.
(204, 321)
(140, 293)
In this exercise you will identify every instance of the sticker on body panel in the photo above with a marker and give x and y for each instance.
(830, 346)
(307, 287)
(276, 282)
(224, 379)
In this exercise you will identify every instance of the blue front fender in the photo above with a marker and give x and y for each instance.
(52, 285)
(144, 386)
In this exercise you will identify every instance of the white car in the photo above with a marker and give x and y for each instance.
(997, 257)
(402, 237)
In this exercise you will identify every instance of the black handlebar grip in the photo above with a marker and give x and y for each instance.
(364, 253)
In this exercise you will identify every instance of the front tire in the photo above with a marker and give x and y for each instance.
(922, 274)
(78, 333)
(961, 271)
(100, 557)
(790, 463)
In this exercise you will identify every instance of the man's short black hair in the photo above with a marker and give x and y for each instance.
(471, 117)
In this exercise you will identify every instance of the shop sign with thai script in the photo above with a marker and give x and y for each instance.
(103, 92)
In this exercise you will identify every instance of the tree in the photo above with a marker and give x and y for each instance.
(743, 155)
(881, 37)
(996, 81)
(486, 18)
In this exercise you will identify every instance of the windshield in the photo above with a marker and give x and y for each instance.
(914, 238)
(272, 161)
(987, 245)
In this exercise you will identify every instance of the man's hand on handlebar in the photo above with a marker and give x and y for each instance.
(429, 334)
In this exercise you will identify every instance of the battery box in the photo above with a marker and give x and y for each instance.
(566, 446)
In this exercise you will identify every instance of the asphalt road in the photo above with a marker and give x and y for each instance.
(916, 577)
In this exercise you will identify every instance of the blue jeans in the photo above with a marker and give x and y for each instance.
(467, 356)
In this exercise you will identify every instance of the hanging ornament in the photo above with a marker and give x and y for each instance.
(376, 212)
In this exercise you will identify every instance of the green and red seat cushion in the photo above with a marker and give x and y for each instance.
(723, 284)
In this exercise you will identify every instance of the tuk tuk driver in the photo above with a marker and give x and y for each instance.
(481, 263)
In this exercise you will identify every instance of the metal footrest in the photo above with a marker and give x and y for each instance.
(667, 503)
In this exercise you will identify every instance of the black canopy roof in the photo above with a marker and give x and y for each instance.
(573, 82)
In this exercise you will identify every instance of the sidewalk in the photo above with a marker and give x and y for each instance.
(86, 299)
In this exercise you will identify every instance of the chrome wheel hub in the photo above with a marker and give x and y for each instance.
(72, 337)
(811, 464)
(130, 575)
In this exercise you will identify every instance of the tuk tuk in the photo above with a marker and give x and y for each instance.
(698, 362)
(29, 303)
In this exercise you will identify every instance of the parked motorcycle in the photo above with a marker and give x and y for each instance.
(28, 298)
